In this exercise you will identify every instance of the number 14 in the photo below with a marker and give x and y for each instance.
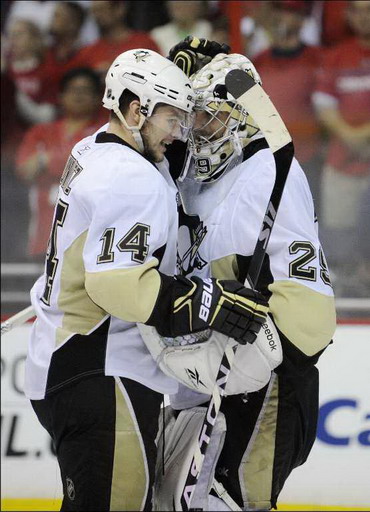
(134, 241)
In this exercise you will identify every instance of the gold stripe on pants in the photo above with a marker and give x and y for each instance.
(130, 477)
(256, 468)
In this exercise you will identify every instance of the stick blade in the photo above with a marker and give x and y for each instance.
(238, 82)
(256, 102)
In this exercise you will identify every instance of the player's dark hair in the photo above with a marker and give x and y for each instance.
(126, 98)
(88, 73)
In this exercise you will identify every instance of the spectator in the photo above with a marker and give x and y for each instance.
(137, 15)
(39, 12)
(220, 30)
(65, 28)
(186, 19)
(342, 100)
(334, 26)
(115, 36)
(45, 149)
(290, 65)
(255, 28)
(14, 209)
(28, 69)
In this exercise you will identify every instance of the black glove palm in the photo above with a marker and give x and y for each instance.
(192, 53)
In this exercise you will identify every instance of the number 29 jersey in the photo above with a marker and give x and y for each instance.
(115, 225)
(220, 242)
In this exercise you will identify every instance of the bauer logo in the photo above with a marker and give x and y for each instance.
(344, 422)
(206, 300)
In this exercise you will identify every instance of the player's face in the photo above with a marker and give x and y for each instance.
(209, 127)
(161, 129)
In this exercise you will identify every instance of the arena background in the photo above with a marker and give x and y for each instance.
(37, 50)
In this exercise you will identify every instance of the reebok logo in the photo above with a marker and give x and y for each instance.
(206, 300)
(194, 376)
(270, 337)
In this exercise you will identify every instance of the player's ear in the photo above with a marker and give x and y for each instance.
(133, 113)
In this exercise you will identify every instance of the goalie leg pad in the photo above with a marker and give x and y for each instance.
(178, 454)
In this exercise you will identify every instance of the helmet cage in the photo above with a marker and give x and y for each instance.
(214, 152)
(238, 129)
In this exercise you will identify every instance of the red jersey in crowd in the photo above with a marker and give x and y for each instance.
(36, 80)
(345, 75)
(51, 144)
(58, 67)
(101, 54)
(289, 79)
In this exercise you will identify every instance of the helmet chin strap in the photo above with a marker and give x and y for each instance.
(237, 143)
(135, 130)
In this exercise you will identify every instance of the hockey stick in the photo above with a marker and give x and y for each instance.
(17, 319)
(253, 98)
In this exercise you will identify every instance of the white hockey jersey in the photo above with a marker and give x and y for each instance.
(221, 240)
(115, 221)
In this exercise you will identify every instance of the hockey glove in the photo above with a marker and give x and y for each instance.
(191, 54)
(225, 306)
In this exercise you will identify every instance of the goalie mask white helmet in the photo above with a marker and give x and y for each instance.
(154, 79)
(223, 126)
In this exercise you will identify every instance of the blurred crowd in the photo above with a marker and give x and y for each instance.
(314, 60)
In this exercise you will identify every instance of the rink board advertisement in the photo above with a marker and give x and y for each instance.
(336, 473)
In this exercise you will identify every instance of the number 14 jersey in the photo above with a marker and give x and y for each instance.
(115, 225)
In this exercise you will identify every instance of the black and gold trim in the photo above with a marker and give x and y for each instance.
(51, 257)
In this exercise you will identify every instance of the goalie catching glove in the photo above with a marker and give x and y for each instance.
(191, 54)
(194, 359)
(196, 304)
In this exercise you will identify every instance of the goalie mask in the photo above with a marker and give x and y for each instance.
(155, 80)
(222, 127)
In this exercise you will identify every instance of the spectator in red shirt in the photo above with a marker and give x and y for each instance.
(334, 26)
(342, 100)
(65, 28)
(115, 38)
(28, 70)
(288, 70)
(45, 149)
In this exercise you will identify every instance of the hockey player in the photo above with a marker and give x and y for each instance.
(225, 187)
(110, 263)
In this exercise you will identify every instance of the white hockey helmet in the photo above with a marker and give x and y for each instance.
(214, 153)
(153, 78)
